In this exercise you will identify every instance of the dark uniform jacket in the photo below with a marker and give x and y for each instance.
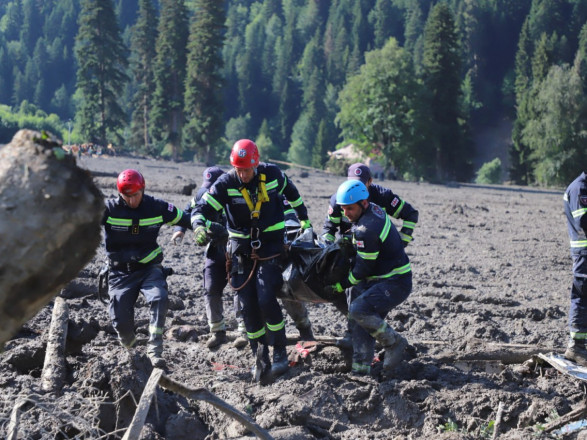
(226, 193)
(575, 201)
(380, 251)
(381, 196)
(131, 234)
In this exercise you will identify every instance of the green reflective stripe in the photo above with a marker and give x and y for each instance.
(368, 255)
(193, 203)
(119, 221)
(405, 237)
(275, 227)
(155, 330)
(217, 326)
(579, 244)
(399, 209)
(212, 201)
(151, 256)
(296, 202)
(289, 211)
(360, 368)
(353, 280)
(386, 229)
(284, 185)
(397, 271)
(271, 185)
(579, 212)
(335, 220)
(256, 335)
(238, 235)
(409, 225)
(276, 327)
(380, 330)
(329, 237)
(150, 221)
(577, 335)
(234, 192)
(177, 217)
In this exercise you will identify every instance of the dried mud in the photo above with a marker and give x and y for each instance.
(491, 285)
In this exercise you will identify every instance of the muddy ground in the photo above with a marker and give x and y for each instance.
(491, 280)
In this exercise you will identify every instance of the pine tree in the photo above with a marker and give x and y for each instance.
(101, 74)
(170, 65)
(441, 75)
(143, 38)
(203, 92)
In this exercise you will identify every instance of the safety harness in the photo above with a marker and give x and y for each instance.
(255, 209)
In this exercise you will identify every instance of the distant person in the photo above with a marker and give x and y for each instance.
(131, 226)
(575, 204)
(392, 204)
(380, 279)
(251, 196)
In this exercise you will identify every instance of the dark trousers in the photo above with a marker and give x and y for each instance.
(124, 289)
(369, 304)
(578, 308)
(260, 310)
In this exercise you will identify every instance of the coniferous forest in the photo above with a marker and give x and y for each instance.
(412, 82)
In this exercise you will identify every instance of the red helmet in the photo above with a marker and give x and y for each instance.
(244, 154)
(130, 182)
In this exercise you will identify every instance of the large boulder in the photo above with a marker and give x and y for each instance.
(50, 214)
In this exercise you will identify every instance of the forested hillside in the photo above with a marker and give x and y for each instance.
(412, 81)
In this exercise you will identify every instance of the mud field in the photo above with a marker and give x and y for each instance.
(491, 272)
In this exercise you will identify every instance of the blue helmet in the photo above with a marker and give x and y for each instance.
(351, 191)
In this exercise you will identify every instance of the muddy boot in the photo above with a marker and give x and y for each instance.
(306, 333)
(155, 350)
(360, 369)
(262, 368)
(242, 340)
(577, 352)
(216, 339)
(280, 361)
(128, 342)
(395, 347)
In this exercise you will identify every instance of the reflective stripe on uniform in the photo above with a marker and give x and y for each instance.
(579, 212)
(212, 201)
(399, 209)
(276, 327)
(576, 335)
(155, 330)
(151, 256)
(256, 335)
(579, 244)
(397, 271)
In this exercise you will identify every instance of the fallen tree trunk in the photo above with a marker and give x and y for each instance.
(54, 367)
(50, 214)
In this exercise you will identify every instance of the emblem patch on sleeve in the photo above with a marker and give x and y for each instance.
(170, 207)
(360, 243)
(330, 210)
(395, 202)
(378, 211)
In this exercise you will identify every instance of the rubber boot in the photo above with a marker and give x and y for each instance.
(395, 347)
(280, 361)
(577, 351)
(242, 340)
(262, 368)
(216, 339)
(155, 351)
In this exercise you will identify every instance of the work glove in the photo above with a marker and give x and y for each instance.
(201, 236)
(217, 231)
(305, 224)
(334, 289)
(177, 237)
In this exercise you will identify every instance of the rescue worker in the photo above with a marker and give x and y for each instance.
(251, 196)
(131, 226)
(379, 280)
(215, 278)
(575, 204)
(384, 197)
(215, 265)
